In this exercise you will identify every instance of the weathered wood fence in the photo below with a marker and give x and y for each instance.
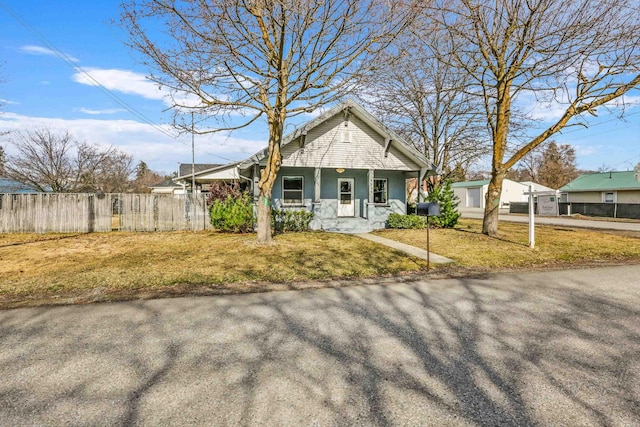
(85, 213)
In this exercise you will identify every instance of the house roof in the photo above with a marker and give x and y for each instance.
(470, 183)
(205, 171)
(365, 116)
(185, 168)
(10, 186)
(537, 187)
(165, 183)
(603, 181)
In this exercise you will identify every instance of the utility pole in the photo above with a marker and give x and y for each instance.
(193, 158)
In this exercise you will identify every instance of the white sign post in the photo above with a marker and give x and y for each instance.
(532, 237)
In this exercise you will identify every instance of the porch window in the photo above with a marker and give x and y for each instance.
(292, 190)
(380, 190)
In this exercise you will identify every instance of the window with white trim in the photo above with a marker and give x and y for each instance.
(292, 190)
(346, 136)
(380, 190)
(609, 197)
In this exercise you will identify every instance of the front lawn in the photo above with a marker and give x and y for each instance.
(555, 245)
(78, 268)
(119, 265)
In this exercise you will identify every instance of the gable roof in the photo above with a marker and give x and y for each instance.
(603, 181)
(185, 168)
(365, 116)
(205, 171)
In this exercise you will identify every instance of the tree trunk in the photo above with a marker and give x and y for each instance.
(264, 218)
(268, 178)
(492, 205)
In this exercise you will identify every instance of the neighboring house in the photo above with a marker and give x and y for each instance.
(346, 167)
(167, 186)
(204, 176)
(472, 194)
(604, 187)
(538, 188)
(10, 186)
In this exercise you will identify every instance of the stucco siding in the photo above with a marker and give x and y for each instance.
(325, 147)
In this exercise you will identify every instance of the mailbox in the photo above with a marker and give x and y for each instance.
(428, 209)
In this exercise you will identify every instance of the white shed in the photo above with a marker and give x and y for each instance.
(472, 194)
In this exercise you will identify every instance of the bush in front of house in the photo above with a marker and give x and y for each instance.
(233, 214)
(286, 220)
(406, 221)
(448, 201)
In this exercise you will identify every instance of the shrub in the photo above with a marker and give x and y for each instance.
(286, 220)
(233, 214)
(222, 190)
(406, 221)
(444, 195)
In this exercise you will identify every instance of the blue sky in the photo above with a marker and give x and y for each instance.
(41, 90)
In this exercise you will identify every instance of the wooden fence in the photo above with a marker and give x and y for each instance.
(85, 213)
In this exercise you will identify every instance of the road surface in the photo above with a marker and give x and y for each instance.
(552, 348)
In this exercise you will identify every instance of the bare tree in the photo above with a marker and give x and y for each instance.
(577, 55)
(244, 61)
(425, 101)
(145, 177)
(549, 164)
(2, 155)
(50, 162)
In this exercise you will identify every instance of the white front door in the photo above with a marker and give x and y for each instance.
(346, 204)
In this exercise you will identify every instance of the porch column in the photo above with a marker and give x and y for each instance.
(370, 179)
(256, 180)
(421, 176)
(317, 179)
(370, 176)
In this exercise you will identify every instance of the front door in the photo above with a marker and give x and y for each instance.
(346, 204)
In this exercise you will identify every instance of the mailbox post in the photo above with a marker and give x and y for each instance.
(428, 209)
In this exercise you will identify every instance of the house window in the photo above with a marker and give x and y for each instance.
(609, 197)
(346, 136)
(380, 190)
(292, 190)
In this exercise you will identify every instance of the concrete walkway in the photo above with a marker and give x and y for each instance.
(408, 249)
(562, 221)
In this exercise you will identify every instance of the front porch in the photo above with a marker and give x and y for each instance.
(345, 200)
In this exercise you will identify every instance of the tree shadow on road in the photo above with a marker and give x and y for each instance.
(456, 352)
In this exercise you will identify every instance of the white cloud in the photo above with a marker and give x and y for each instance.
(43, 51)
(144, 142)
(8, 102)
(123, 81)
(98, 112)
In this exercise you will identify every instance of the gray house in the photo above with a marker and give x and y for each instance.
(346, 167)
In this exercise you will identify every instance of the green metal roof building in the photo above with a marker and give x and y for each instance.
(604, 187)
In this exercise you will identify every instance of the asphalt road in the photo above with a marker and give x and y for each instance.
(552, 348)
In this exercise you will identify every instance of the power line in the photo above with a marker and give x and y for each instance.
(71, 63)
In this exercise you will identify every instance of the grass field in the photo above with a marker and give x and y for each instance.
(77, 268)
(555, 245)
